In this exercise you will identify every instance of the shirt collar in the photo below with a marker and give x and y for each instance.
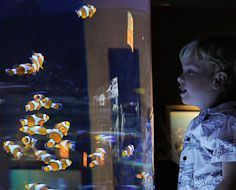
(231, 105)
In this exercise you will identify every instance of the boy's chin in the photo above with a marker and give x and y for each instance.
(188, 102)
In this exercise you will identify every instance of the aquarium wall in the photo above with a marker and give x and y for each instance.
(76, 107)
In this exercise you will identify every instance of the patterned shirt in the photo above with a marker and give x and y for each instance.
(209, 141)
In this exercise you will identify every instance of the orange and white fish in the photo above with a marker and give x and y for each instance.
(63, 126)
(34, 186)
(42, 155)
(145, 176)
(56, 165)
(55, 136)
(35, 119)
(86, 11)
(98, 158)
(99, 152)
(57, 133)
(29, 142)
(94, 163)
(97, 162)
(14, 149)
(48, 103)
(66, 144)
(36, 130)
(37, 60)
(27, 68)
(128, 151)
(37, 186)
(41, 101)
(34, 105)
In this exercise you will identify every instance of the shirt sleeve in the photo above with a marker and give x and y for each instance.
(224, 141)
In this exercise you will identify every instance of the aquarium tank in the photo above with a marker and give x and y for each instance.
(76, 101)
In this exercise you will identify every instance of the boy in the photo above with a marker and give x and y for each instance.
(208, 159)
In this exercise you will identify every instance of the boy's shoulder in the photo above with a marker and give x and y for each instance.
(221, 117)
(225, 110)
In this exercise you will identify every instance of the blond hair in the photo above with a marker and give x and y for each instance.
(216, 49)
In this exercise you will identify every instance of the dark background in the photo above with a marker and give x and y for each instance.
(174, 23)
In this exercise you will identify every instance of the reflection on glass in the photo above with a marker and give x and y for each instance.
(179, 121)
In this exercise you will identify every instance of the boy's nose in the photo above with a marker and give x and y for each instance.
(180, 79)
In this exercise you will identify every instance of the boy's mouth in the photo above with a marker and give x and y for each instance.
(182, 90)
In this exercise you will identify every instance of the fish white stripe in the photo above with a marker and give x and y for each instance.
(87, 10)
(44, 156)
(36, 119)
(26, 68)
(38, 187)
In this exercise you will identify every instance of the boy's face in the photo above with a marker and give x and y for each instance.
(195, 84)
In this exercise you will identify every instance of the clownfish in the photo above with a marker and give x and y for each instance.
(36, 186)
(94, 163)
(55, 137)
(48, 103)
(14, 149)
(86, 11)
(43, 156)
(34, 105)
(37, 60)
(36, 130)
(66, 144)
(129, 151)
(56, 165)
(29, 142)
(41, 101)
(98, 158)
(99, 152)
(63, 126)
(57, 133)
(35, 119)
(97, 162)
(145, 176)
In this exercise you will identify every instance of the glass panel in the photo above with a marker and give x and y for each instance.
(76, 95)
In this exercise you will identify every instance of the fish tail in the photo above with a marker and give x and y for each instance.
(47, 168)
(23, 122)
(72, 146)
(124, 153)
(78, 13)
(27, 107)
(56, 106)
(19, 155)
(50, 144)
(11, 72)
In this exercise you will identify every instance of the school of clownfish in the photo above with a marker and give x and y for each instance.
(34, 125)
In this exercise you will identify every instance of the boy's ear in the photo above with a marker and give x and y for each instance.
(220, 79)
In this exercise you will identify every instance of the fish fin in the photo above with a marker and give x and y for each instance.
(41, 123)
(15, 66)
(73, 145)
